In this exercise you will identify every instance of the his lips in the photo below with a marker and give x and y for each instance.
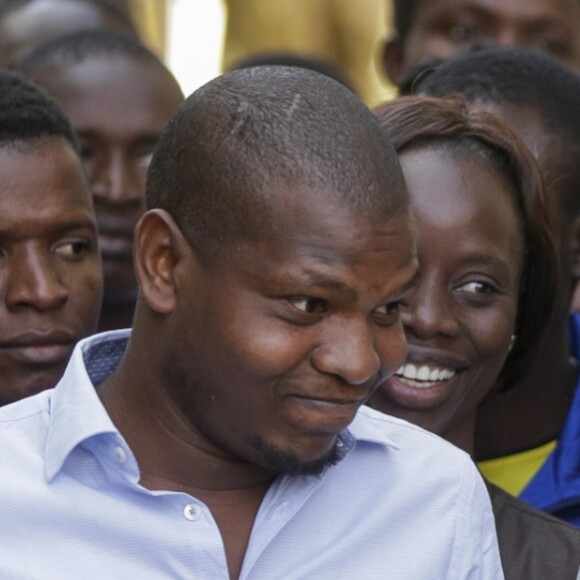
(37, 347)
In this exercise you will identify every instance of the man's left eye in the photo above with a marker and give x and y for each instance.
(310, 305)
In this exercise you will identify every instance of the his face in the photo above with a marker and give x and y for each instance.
(26, 27)
(460, 319)
(442, 28)
(118, 107)
(283, 339)
(50, 274)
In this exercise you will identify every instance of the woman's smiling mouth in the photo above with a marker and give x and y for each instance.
(424, 376)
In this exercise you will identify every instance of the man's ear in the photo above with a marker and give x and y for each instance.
(392, 58)
(159, 248)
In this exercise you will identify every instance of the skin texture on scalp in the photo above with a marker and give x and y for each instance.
(240, 147)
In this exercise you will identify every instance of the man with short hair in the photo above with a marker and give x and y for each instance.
(432, 30)
(118, 96)
(224, 437)
(50, 271)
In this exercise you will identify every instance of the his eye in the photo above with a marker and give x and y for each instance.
(388, 312)
(476, 288)
(72, 249)
(309, 305)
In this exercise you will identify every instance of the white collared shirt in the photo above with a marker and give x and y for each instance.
(402, 504)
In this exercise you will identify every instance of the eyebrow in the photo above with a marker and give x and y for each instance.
(314, 279)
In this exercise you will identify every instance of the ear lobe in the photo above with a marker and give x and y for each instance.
(159, 247)
(392, 59)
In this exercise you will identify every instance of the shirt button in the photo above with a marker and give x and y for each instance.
(120, 455)
(192, 512)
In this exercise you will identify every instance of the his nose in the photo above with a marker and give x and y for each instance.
(33, 282)
(430, 313)
(348, 350)
(116, 182)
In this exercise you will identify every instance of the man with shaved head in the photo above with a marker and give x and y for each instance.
(226, 436)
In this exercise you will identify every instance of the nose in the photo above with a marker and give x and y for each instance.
(430, 312)
(33, 282)
(115, 181)
(348, 350)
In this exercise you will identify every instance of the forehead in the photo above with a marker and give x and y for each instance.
(451, 188)
(116, 91)
(521, 10)
(38, 21)
(42, 183)
(313, 237)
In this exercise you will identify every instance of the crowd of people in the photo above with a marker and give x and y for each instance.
(266, 331)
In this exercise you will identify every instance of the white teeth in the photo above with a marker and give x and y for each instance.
(425, 373)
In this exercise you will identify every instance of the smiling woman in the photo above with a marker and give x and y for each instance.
(487, 276)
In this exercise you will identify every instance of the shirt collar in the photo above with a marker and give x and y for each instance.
(371, 426)
(76, 412)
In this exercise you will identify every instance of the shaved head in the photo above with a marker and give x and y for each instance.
(243, 138)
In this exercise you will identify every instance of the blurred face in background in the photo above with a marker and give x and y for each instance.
(33, 23)
(441, 28)
(118, 106)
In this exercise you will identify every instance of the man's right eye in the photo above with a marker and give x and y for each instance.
(309, 305)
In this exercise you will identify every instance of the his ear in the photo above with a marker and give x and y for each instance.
(159, 247)
(392, 59)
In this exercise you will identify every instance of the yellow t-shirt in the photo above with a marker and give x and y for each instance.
(512, 473)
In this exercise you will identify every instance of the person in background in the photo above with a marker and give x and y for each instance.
(341, 32)
(487, 260)
(26, 24)
(119, 97)
(427, 31)
(225, 436)
(50, 271)
(528, 435)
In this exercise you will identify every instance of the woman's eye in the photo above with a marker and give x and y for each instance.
(310, 305)
(72, 249)
(476, 288)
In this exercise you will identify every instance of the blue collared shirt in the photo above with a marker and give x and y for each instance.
(402, 504)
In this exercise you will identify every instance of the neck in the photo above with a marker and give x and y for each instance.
(533, 411)
(172, 454)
